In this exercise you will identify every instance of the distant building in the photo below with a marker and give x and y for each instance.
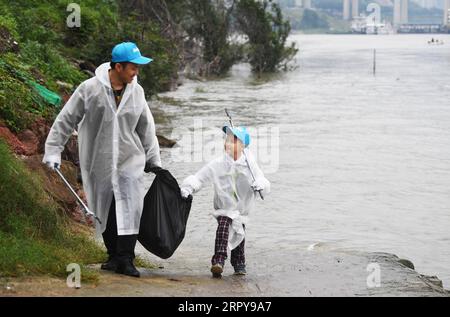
(306, 4)
(350, 6)
(400, 12)
(428, 4)
(446, 13)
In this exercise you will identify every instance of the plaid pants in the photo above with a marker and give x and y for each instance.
(220, 252)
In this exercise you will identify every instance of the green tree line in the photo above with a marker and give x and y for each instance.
(218, 33)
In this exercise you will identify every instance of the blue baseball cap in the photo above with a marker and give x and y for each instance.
(240, 132)
(129, 52)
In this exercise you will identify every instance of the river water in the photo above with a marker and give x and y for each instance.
(356, 161)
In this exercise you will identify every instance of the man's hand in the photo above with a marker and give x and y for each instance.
(52, 165)
(149, 168)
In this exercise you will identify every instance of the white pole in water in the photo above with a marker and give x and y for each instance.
(374, 62)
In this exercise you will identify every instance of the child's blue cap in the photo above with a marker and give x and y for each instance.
(129, 52)
(240, 132)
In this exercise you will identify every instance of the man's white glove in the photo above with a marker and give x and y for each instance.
(185, 193)
(52, 165)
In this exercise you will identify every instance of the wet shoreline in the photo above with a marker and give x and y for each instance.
(314, 273)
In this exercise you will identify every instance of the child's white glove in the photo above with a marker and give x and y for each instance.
(258, 185)
(185, 193)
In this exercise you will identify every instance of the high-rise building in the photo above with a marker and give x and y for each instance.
(428, 4)
(400, 12)
(447, 12)
(354, 6)
(306, 4)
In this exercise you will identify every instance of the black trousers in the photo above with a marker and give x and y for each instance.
(119, 247)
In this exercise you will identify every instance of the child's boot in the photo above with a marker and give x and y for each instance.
(240, 270)
(217, 270)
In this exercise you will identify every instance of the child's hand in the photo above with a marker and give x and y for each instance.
(185, 193)
(258, 185)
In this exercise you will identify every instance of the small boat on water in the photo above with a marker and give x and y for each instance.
(435, 42)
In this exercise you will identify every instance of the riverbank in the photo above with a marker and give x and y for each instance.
(313, 273)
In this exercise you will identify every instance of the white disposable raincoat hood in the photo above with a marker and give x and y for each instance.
(114, 145)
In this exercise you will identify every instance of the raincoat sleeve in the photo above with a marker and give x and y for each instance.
(195, 183)
(147, 133)
(64, 125)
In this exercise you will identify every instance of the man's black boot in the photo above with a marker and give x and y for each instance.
(110, 265)
(126, 267)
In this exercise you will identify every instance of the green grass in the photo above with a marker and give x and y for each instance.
(170, 101)
(51, 64)
(141, 263)
(20, 104)
(36, 237)
(200, 90)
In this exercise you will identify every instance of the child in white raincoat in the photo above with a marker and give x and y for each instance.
(234, 196)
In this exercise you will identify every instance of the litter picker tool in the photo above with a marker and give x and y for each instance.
(86, 210)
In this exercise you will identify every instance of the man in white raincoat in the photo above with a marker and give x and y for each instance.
(117, 142)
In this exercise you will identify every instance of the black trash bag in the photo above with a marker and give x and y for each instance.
(164, 217)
